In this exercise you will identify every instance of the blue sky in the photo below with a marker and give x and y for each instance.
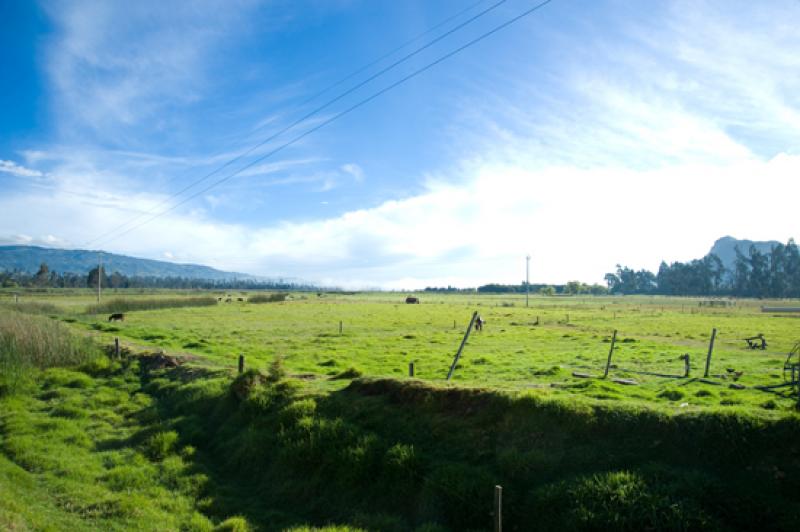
(586, 134)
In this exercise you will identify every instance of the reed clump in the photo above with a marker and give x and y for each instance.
(35, 342)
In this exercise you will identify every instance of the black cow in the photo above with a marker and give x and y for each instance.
(117, 316)
(412, 300)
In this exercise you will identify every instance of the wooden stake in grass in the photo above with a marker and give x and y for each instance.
(340, 326)
(610, 352)
(241, 363)
(710, 350)
(498, 509)
(463, 343)
(410, 369)
(686, 365)
(116, 346)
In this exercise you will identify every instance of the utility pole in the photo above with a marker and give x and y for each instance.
(527, 277)
(99, 274)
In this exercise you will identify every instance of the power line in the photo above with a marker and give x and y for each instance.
(307, 115)
(345, 112)
(392, 52)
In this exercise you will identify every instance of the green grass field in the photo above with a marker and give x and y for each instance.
(381, 335)
(96, 443)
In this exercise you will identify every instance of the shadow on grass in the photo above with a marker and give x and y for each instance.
(392, 455)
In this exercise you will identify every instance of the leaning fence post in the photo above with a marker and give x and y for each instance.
(610, 352)
(116, 346)
(710, 350)
(463, 343)
(498, 509)
(241, 363)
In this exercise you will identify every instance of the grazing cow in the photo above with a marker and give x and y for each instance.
(239, 299)
(117, 316)
(219, 299)
(412, 300)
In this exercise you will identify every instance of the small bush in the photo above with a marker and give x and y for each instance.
(671, 395)
(349, 373)
(233, 524)
(161, 444)
(769, 405)
(128, 477)
(268, 298)
(276, 371)
(552, 370)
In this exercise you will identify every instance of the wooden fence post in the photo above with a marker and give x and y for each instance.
(463, 343)
(498, 509)
(241, 363)
(710, 350)
(610, 352)
(410, 369)
(686, 365)
(340, 326)
(116, 346)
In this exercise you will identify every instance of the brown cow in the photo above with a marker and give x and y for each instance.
(117, 316)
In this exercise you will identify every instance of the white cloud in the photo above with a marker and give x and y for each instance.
(354, 170)
(10, 167)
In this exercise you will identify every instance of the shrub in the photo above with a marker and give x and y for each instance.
(349, 373)
(267, 298)
(125, 305)
(276, 371)
(161, 444)
(672, 395)
(233, 524)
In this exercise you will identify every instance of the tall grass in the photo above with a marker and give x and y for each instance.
(33, 307)
(28, 342)
(125, 305)
(267, 298)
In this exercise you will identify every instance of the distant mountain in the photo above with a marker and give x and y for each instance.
(79, 261)
(725, 249)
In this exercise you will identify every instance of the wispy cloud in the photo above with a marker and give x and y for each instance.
(10, 167)
(117, 65)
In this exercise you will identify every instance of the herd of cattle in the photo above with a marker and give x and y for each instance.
(228, 299)
(119, 316)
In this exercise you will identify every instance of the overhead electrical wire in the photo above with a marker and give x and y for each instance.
(327, 104)
(343, 113)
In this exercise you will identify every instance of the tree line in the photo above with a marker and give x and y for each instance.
(571, 288)
(773, 274)
(45, 278)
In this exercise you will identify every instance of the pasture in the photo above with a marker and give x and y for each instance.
(534, 349)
